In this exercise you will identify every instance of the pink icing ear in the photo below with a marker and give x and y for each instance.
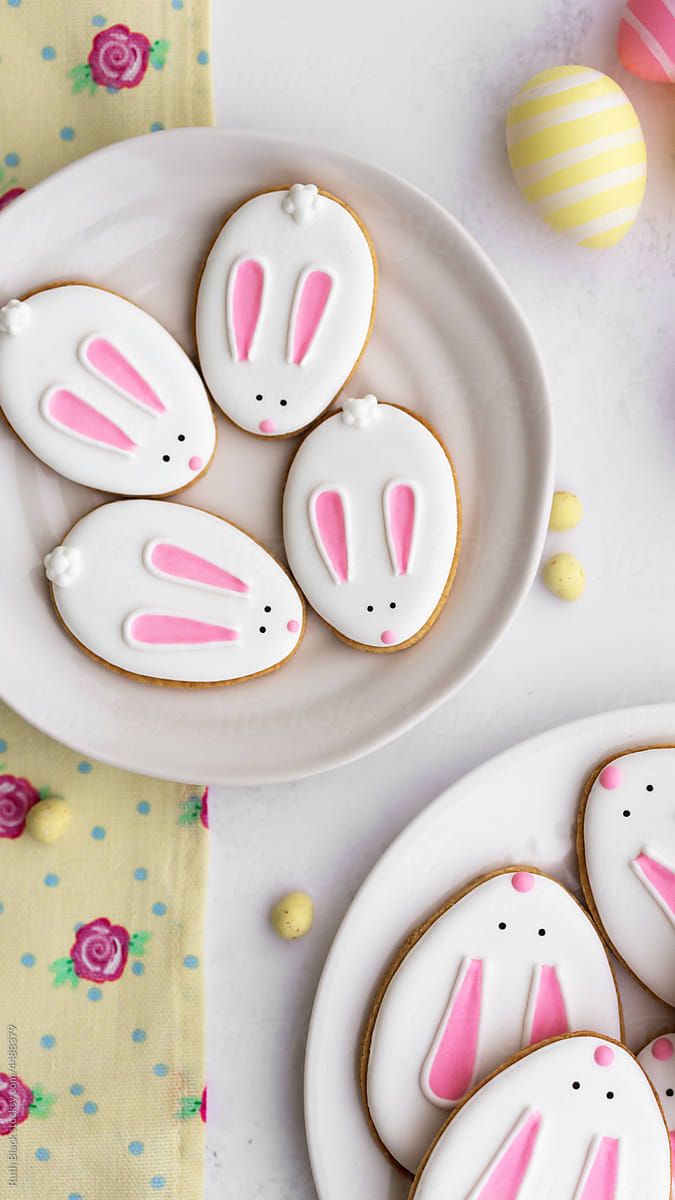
(328, 519)
(173, 562)
(75, 416)
(601, 1171)
(547, 1015)
(610, 777)
(450, 1066)
(104, 360)
(164, 629)
(400, 504)
(311, 297)
(505, 1177)
(659, 879)
(523, 882)
(245, 290)
(662, 1050)
(604, 1056)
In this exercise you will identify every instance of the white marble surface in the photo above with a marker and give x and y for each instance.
(422, 88)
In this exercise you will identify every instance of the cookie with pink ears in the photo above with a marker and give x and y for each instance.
(574, 1118)
(511, 960)
(285, 307)
(98, 390)
(626, 850)
(372, 524)
(657, 1060)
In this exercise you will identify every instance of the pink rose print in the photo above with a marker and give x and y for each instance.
(191, 1105)
(17, 796)
(118, 59)
(202, 1107)
(195, 809)
(99, 953)
(204, 811)
(12, 194)
(15, 1101)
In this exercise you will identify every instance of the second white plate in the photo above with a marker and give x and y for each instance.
(449, 342)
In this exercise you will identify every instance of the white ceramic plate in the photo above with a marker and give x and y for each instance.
(138, 218)
(520, 807)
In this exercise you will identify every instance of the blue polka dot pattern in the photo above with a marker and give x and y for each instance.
(136, 1148)
(51, 880)
(76, 1089)
(12, 159)
(14, 3)
(140, 874)
(202, 58)
(78, 925)
(100, 21)
(90, 1108)
(48, 53)
(191, 961)
(98, 833)
(156, 127)
(177, 4)
(138, 1035)
(2, 907)
(28, 960)
(138, 968)
(3, 746)
(160, 1069)
(84, 767)
(67, 134)
(159, 909)
(94, 994)
(42, 1154)
(143, 808)
(158, 1182)
(74, 1196)
(48, 1041)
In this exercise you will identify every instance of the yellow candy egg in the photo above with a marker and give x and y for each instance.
(578, 153)
(48, 820)
(565, 577)
(293, 915)
(566, 512)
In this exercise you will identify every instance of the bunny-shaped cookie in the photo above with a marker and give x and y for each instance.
(102, 393)
(509, 962)
(284, 309)
(658, 1062)
(172, 594)
(626, 843)
(371, 524)
(574, 1119)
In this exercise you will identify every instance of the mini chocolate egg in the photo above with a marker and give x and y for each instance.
(565, 577)
(578, 153)
(647, 40)
(566, 512)
(293, 915)
(48, 820)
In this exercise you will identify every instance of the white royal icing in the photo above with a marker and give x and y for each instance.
(658, 1062)
(63, 565)
(177, 594)
(103, 394)
(573, 1120)
(15, 317)
(629, 846)
(480, 985)
(380, 475)
(298, 276)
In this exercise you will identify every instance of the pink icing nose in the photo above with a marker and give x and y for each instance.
(388, 637)
(293, 626)
(267, 426)
(195, 463)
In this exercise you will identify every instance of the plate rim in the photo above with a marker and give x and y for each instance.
(539, 386)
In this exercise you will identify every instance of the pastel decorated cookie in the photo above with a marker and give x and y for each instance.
(578, 153)
(285, 307)
(647, 39)
(372, 524)
(171, 594)
(575, 1119)
(658, 1062)
(626, 845)
(102, 393)
(509, 962)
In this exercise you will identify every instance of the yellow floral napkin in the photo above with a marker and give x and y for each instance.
(102, 1078)
(77, 74)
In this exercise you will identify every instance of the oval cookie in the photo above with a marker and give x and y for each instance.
(658, 1062)
(626, 844)
(172, 594)
(509, 962)
(575, 1119)
(372, 524)
(102, 393)
(284, 308)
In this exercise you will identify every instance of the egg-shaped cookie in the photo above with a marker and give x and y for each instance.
(647, 40)
(578, 153)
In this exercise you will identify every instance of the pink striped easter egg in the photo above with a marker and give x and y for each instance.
(647, 39)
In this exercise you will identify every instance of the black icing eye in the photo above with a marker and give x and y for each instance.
(610, 1095)
(502, 924)
(181, 437)
(393, 604)
(650, 787)
(542, 933)
(263, 629)
(369, 608)
(283, 403)
(626, 812)
(267, 608)
(258, 397)
(576, 1085)
(669, 1092)
(166, 458)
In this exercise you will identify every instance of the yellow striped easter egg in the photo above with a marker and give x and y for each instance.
(578, 154)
